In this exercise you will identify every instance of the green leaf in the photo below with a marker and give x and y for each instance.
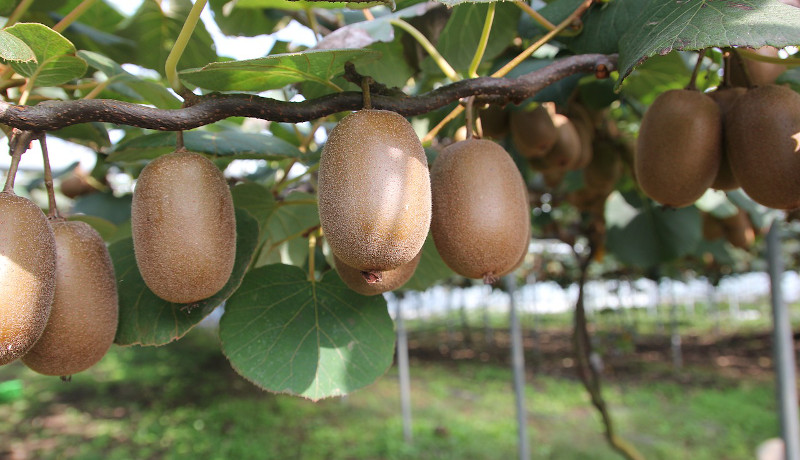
(145, 319)
(93, 135)
(155, 31)
(292, 5)
(293, 216)
(431, 269)
(55, 63)
(650, 235)
(116, 209)
(14, 49)
(234, 21)
(461, 35)
(276, 71)
(129, 84)
(287, 334)
(667, 25)
(255, 199)
(235, 144)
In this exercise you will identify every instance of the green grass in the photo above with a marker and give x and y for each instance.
(183, 401)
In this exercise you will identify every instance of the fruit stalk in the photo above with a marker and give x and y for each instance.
(48, 179)
(18, 144)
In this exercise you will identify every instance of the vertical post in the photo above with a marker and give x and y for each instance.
(518, 366)
(675, 336)
(403, 373)
(488, 331)
(783, 349)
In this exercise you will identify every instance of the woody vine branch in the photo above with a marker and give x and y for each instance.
(207, 109)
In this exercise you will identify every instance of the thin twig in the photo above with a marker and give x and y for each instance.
(693, 79)
(483, 42)
(73, 15)
(48, 179)
(440, 61)
(171, 65)
(18, 143)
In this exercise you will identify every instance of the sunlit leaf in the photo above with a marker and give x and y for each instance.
(288, 334)
(55, 63)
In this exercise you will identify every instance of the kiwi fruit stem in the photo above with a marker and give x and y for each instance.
(48, 180)
(19, 144)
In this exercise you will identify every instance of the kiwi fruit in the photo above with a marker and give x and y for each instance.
(712, 227)
(679, 147)
(586, 136)
(738, 230)
(604, 169)
(763, 145)
(764, 73)
(374, 191)
(389, 281)
(27, 275)
(533, 131)
(566, 152)
(481, 215)
(83, 320)
(494, 121)
(184, 227)
(725, 98)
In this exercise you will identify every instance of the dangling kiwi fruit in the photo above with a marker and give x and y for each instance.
(764, 73)
(481, 215)
(533, 131)
(738, 230)
(566, 152)
(390, 279)
(712, 227)
(184, 227)
(374, 191)
(494, 121)
(586, 136)
(763, 145)
(83, 320)
(725, 98)
(27, 275)
(679, 147)
(605, 167)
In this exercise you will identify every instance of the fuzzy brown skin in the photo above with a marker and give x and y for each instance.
(533, 131)
(184, 227)
(679, 147)
(566, 152)
(725, 98)
(763, 145)
(481, 216)
(83, 320)
(27, 275)
(374, 191)
(390, 279)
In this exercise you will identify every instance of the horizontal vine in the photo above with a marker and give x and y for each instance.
(207, 109)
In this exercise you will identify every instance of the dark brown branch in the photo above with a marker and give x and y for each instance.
(51, 115)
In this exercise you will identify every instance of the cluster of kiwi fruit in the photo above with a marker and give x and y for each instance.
(378, 201)
(733, 137)
(59, 305)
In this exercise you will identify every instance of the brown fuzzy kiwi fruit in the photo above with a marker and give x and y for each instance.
(83, 320)
(712, 227)
(184, 227)
(764, 73)
(738, 230)
(481, 215)
(566, 152)
(533, 131)
(679, 147)
(725, 98)
(390, 279)
(494, 121)
(604, 169)
(586, 136)
(27, 275)
(763, 145)
(374, 191)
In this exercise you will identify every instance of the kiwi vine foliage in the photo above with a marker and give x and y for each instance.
(315, 338)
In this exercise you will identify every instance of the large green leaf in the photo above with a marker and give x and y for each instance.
(243, 22)
(667, 25)
(55, 63)
(155, 31)
(129, 84)
(650, 235)
(255, 199)
(14, 49)
(145, 319)
(296, 5)
(223, 143)
(288, 334)
(431, 269)
(293, 216)
(276, 71)
(461, 35)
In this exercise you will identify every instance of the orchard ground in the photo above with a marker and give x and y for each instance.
(184, 399)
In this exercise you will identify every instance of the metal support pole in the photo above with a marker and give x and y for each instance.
(403, 373)
(785, 360)
(518, 365)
